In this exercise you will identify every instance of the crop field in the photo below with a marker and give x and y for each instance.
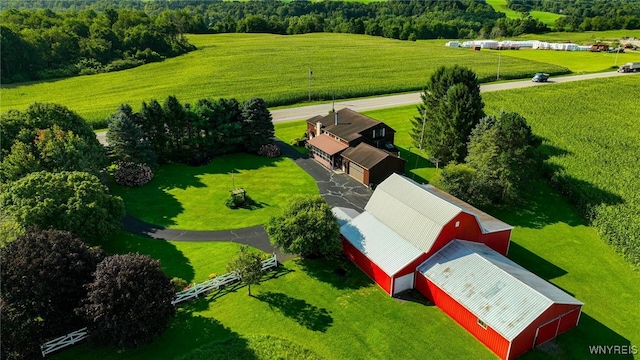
(546, 17)
(578, 62)
(586, 37)
(274, 67)
(592, 132)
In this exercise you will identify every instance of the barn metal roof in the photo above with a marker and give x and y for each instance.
(487, 222)
(365, 155)
(503, 294)
(344, 215)
(417, 215)
(327, 144)
(379, 243)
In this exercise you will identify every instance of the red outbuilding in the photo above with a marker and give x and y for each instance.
(506, 307)
(417, 236)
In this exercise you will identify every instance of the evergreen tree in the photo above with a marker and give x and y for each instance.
(258, 127)
(451, 107)
(152, 121)
(504, 152)
(174, 115)
(126, 140)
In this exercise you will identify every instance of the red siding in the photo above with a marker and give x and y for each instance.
(469, 230)
(366, 265)
(547, 332)
(489, 337)
(525, 341)
(411, 267)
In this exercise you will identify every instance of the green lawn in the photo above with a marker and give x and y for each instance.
(288, 131)
(185, 197)
(274, 67)
(547, 18)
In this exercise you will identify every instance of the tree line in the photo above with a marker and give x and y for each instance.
(43, 44)
(594, 15)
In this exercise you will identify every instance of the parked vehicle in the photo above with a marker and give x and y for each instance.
(630, 67)
(540, 77)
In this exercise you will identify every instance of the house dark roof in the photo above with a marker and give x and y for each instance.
(350, 123)
(327, 144)
(365, 155)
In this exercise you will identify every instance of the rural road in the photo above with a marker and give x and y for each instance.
(390, 101)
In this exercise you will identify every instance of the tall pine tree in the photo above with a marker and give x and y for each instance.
(257, 126)
(126, 140)
(451, 107)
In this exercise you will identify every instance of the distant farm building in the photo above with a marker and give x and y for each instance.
(417, 236)
(518, 44)
(356, 144)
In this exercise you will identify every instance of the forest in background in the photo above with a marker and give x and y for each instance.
(593, 15)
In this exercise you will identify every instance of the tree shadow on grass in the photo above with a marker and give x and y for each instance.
(576, 343)
(172, 261)
(153, 203)
(338, 271)
(415, 162)
(305, 314)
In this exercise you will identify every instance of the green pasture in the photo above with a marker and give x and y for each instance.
(274, 67)
(547, 18)
(192, 198)
(578, 62)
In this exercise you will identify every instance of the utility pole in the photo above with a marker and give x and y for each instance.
(499, 58)
(310, 76)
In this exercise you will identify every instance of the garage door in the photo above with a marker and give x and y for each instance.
(403, 283)
(356, 172)
(547, 331)
(569, 320)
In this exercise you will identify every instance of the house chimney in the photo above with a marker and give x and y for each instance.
(318, 128)
(335, 116)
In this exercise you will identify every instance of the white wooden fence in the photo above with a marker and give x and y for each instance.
(64, 341)
(181, 296)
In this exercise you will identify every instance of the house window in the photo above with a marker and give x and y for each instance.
(457, 223)
(482, 324)
(378, 133)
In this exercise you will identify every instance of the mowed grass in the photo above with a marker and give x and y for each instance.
(193, 198)
(547, 18)
(578, 62)
(274, 67)
(306, 304)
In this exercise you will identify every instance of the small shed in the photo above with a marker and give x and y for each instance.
(506, 307)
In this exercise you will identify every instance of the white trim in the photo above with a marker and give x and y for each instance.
(482, 323)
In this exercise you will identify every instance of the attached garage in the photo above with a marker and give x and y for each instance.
(370, 165)
(381, 253)
(506, 307)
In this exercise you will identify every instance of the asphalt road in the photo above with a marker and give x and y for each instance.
(390, 101)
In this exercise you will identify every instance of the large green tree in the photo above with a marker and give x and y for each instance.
(504, 152)
(248, 265)
(129, 301)
(258, 127)
(306, 227)
(126, 140)
(451, 107)
(43, 277)
(47, 137)
(73, 201)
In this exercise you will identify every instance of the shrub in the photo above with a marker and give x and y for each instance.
(132, 174)
(179, 284)
(269, 150)
(234, 202)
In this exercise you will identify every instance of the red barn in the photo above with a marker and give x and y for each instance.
(405, 223)
(506, 307)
